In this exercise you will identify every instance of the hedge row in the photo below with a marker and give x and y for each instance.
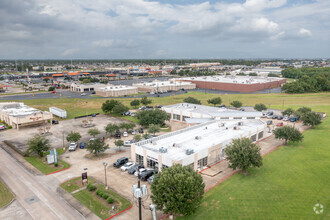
(100, 193)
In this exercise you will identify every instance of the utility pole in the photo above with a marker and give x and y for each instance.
(140, 201)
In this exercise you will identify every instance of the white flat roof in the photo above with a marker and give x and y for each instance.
(200, 137)
(233, 79)
(17, 109)
(162, 83)
(116, 88)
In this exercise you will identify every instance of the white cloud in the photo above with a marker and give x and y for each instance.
(69, 52)
(115, 43)
(304, 32)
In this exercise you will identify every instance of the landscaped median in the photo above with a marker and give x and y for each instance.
(105, 203)
(5, 195)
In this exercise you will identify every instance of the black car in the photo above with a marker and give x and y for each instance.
(93, 92)
(118, 134)
(54, 122)
(135, 168)
(279, 117)
(222, 106)
(141, 130)
(120, 162)
(145, 175)
(269, 122)
(274, 117)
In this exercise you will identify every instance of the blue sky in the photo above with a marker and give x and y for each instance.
(117, 29)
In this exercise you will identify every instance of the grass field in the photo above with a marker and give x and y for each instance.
(45, 168)
(5, 195)
(75, 184)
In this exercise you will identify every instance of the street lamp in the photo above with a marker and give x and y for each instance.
(138, 192)
(105, 164)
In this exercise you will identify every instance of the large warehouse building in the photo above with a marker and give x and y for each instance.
(19, 115)
(164, 86)
(235, 83)
(115, 91)
(196, 146)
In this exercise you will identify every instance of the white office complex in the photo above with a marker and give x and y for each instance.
(200, 145)
(164, 86)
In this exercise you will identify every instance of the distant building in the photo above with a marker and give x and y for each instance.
(88, 87)
(164, 86)
(115, 90)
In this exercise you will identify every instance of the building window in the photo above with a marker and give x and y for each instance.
(250, 118)
(184, 118)
(164, 167)
(202, 162)
(152, 164)
(139, 159)
(237, 117)
(254, 137)
(176, 117)
(261, 135)
(224, 118)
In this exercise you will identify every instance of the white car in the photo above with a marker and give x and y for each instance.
(133, 132)
(126, 166)
(83, 94)
(139, 171)
(125, 134)
(286, 118)
(72, 146)
(2, 127)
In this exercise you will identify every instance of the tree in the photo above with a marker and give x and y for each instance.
(119, 143)
(73, 137)
(153, 128)
(156, 116)
(236, 104)
(145, 100)
(260, 107)
(52, 88)
(108, 105)
(127, 126)
(94, 132)
(137, 137)
(38, 144)
(311, 118)
(243, 154)
(85, 81)
(192, 100)
(288, 133)
(301, 111)
(96, 146)
(177, 190)
(135, 103)
(288, 112)
(145, 135)
(46, 80)
(119, 109)
(215, 101)
(111, 129)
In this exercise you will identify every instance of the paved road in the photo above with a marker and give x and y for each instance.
(36, 194)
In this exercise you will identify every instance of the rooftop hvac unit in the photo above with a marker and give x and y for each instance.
(163, 150)
(235, 128)
(240, 123)
(198, 137)
(189, 151)
(221, 124)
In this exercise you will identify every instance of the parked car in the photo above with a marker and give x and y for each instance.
(126, 113)
(82, 145)
(93, 92)
(293, 119)
(127, 143)
(118, 134)
(140, 171)
(222, 106)
(134, 168)
(120, 162)
(279, 117)
(274, 116)
(72, 146)
(286, 118)
(2, 127)
(93, 115)
(126, 166)
(125, 134)
(242, 109)
(151, 179)
(54, 122)
(158, 106)
(141, 130)
(280, 124)
(145, 175)
(142, 108)
(133, 132)
(83, 94)
(269, 122)
(132, 114)
(53, 91)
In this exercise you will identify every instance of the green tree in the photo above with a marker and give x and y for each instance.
(145, 100)
(236, 104)
(153, 128)
(127, 126)
(50, 89)
(301, 111)
(108, 105)
(94, 132)
(288, 112)
(111, 129)
(178, 190)
(311, 118)
(260, 107)
(243, 154)
(137, 137)
(119, 143)
(145, 135)
(288, 133)
(38, 144)
(192, 100)
(120, 108)
(85, 81)
(96, 146)
(215, 101)
(156, 116)
(46, 80)
(135, 103)
(73, 137)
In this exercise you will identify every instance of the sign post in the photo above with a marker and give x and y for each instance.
(84, 178)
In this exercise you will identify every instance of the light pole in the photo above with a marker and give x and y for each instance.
(105, 164)
(138, 192)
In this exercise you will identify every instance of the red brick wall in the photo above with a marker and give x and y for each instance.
(237, 87)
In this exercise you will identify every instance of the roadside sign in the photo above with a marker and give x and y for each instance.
(84, 178)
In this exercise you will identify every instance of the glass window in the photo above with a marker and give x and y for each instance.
(261, 135)
(152, 164)
(202, 162)
(251, 118)
(237, 117)
(139, 159)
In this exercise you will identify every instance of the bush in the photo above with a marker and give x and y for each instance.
(41, 154)
(56, 164)
(9, 127)
(105, 196)
(110, 200)
(91, 187)
(99, 192)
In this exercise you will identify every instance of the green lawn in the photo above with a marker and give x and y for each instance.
(43, 167)
(74, 184)
(5, 195)
(293, 179)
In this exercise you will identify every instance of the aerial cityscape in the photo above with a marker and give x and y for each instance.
(162, 110)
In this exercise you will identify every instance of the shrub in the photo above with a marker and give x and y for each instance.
(110, 200)
(105, 196)
(41, 154)
(9, 127)
(91, 187)
(56, 164)
(99, 192)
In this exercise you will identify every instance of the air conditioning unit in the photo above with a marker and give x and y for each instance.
(240, 123)
(235, 128)
(198, 137)
(189, 151)
(163, 150)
